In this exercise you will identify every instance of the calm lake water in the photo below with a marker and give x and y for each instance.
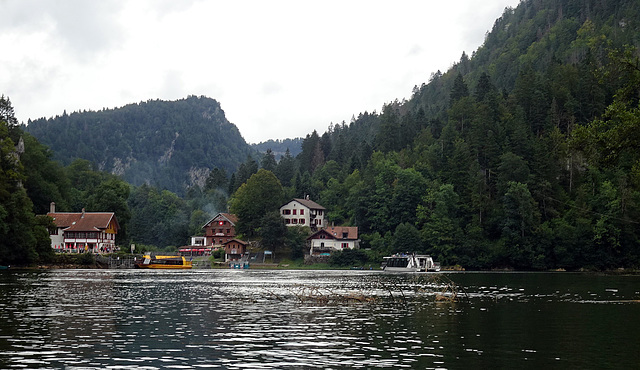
(260, 319)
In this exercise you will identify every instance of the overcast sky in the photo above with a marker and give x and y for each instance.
(280, 69)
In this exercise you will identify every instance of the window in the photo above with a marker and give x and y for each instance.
(301, 221)
(345, 245)
(286, 211)
(294, 220)
(294, 211)
(287, 221)
(228, 231)
(301, 212)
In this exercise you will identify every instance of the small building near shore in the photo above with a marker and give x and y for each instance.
(332, 239)
(235, 250)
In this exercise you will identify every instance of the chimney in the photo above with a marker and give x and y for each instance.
(52, 207)
(82, 213)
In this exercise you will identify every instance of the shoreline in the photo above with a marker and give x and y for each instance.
(274, 266)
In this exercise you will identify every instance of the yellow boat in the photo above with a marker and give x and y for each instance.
(164, 262)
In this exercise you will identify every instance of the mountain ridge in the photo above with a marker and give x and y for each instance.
(168, 144)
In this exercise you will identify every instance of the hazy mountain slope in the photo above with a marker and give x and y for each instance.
(279, 147)
(169, 144)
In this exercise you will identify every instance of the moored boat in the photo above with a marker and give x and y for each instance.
(164, 262)
(410, 263)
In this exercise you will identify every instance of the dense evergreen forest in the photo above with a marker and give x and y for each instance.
(522, 155)
(168, 144)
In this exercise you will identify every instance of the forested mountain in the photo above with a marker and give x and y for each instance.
(168, 144)
(522, 155)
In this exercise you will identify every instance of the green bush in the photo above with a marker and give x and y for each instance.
(349, 257)
(86, 259)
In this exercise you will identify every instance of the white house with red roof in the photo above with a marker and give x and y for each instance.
(83, 231)
(335, 238)
(304, 212)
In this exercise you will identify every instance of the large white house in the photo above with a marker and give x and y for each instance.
(331, 239)
(304, 212)
(76, 232)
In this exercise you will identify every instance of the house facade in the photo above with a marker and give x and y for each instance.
(234, 250)
(78, 232)
(304, 212)
(324, 242)
(220, 229)
(217, 231)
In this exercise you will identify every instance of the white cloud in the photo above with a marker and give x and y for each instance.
(279, 68)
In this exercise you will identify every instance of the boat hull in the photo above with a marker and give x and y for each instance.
(162, 267)
(402, 269)
(164, 263)
(410, 263)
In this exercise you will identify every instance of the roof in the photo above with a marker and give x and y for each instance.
(307, 203)
(337, 232)
(84, 221)
(237, 241)
(233, 219)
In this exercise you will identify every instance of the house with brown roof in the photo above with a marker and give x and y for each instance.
(235, 250)
(217, 231)
(304, 212)
(77, 232)
(220, 229)
(335, 238)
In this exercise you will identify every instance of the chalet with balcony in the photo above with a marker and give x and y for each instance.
(77, 232)
(335, 238)
(304, 212)
(217, 231)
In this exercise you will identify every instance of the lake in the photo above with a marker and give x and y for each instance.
(264, 319)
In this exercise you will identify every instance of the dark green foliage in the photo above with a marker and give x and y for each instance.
(268, 161)
(349, 258)
(260, 195)
(272, 231)
(158, 218)
(295, 240)
(217, 180)
(21, 234)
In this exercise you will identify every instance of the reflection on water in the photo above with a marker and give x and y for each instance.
(315, 319)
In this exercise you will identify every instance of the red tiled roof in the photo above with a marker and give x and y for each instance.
(87, 221)
(338, 232)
